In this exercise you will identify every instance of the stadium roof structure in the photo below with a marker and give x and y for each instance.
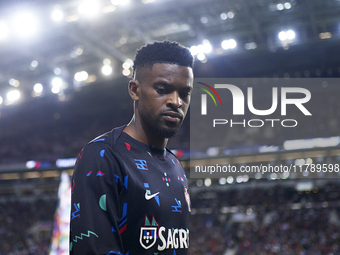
(52, 46)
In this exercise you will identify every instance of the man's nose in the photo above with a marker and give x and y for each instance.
(175, 100)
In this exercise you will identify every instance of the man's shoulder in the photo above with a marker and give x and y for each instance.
(109, 138)
(102, 147)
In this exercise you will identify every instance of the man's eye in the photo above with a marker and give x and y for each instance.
(185, 94)
(161, 90)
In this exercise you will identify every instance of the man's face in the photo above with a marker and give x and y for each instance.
(164, 97)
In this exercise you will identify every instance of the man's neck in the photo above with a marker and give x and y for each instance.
(144, 135)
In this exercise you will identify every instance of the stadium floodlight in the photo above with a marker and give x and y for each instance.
(287, 35)
(290, 34)
(207, 182)
(222, 181)
(204, 20)
(245, 178)
(228, 44)
(4, 31)
(38, 88)
(107, 70)
(207, 48)
(57, 15)
(13, 95)
(283, 35)
(258, 176)
(89, 8)
(280, 7)
(250, 46)
(25, 24)
(126, 72)
(288, 5)
(194, 50)
(230, 179)
(239, 179)
(107, 61)
(273, 176)
(13, 82)
(34, 63)
(199, 183)
(212, 151)
(128, 63)
(285, 175)
(81, 76)
(1, 100)
(57, 71)
(201, 56)
(223, 16)
(57, 84)
(231, 15)
(79, 51)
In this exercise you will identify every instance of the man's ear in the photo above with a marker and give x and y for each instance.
(134, 88)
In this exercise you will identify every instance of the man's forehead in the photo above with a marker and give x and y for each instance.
(165, 70)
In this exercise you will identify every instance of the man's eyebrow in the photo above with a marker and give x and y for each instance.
(162, 83)
(169, 85)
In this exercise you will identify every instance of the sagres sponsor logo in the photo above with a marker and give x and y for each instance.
(153, 234)
(295, 96)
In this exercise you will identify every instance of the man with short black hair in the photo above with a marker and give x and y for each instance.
(129, 193)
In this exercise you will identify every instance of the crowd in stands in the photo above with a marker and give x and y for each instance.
(276, 220)
(21, 224)
(278, 228)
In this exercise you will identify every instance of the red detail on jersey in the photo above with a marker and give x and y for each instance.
(100, 173)
(128, 146)
(80, 154)
(122, 229)
(163, 179)
(169, 180)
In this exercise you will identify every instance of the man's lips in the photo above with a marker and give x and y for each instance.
(172, 116)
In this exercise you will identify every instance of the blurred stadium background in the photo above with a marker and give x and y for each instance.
(64, 70)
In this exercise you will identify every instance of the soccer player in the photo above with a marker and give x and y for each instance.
(130, 193)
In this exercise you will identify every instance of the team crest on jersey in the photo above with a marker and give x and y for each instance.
(148, 233)
(187, 198)
(148, 237)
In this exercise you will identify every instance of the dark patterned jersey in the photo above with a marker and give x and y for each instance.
(128, 198)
